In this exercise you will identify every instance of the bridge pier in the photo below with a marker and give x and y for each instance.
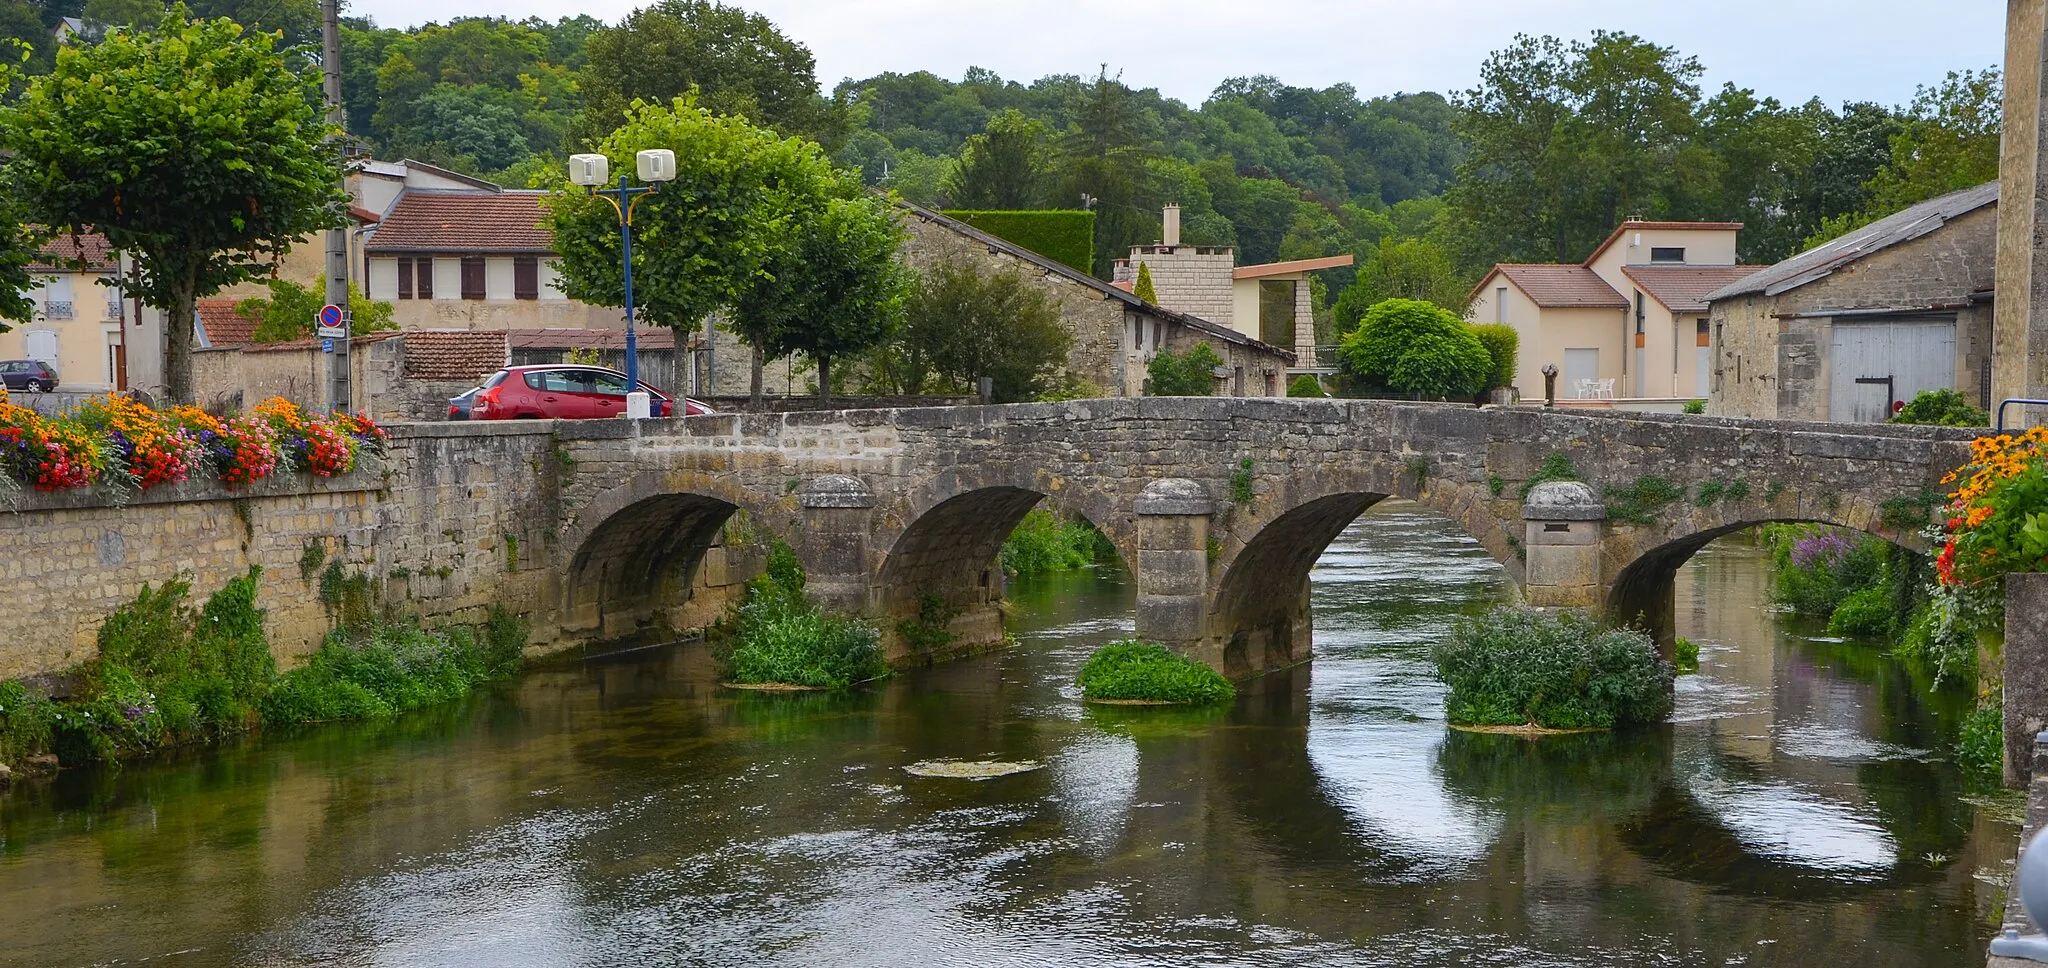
(1172, 569)
(836, 529)
(1562, 528)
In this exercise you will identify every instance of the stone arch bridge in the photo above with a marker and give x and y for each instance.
(1220, 506)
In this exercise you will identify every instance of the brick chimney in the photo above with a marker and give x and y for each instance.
(1171, 236)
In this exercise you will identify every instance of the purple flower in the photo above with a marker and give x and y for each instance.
(1824, 548)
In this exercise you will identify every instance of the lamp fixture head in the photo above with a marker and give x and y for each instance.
(656, 165)
(589, 171)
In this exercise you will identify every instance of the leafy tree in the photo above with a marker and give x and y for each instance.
(704, 238)
(1142, 287)
(20, 244)
(1105, 153)
(190, 146)
(1410, 346)
(737, 62)
(1401, 269)
(964, 324)
(1306, 385)
(468, 127)
(1949, 142)
(1189, 374)
(834, 287)
(1005, 168)
(291, 310)
(920, 178)
(1569, 139)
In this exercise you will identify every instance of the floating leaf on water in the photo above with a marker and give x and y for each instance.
(971, 769)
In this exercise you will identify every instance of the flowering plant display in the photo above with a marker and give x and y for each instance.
(1998, 519)
(119, 442)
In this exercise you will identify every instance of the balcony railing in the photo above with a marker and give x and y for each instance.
(56, 309)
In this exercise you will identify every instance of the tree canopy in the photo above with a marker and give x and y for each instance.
(963, 324)
(189, 145)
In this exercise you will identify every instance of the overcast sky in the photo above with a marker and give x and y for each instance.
(1793, 49)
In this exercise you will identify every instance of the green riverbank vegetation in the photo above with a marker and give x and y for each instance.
(1134, 671)
(1521, 667)
(776, 636)
(1044, 543)
(1867, 589)
(169, 674)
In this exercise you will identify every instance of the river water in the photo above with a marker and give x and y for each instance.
(626, 811)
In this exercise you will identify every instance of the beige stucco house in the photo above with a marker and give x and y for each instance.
(1630, 321)
(79, 326)
(1849, 330)
(1269, 302)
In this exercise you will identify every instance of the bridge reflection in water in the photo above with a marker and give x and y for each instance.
(625, 812)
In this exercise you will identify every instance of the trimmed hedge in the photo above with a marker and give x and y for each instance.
(1062, 235)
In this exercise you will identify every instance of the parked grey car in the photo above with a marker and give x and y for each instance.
(34, 376)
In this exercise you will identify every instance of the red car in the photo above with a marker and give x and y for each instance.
(565, 392)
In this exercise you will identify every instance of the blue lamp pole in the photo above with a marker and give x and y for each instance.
(656, 165)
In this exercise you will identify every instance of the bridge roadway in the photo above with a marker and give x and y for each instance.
(607, 530)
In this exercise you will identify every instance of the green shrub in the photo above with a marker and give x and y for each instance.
(1042, 544)
(1980, 744)
(1410, 346)
(1306, 385)
(776, 635)
(1142, 287)
(1815, 568)
(1189, 374)
(1064, 236)
(1131, 669)
(394, 666)
(1502, 344)
(1685, 656)
(1693, 406)
(1517, 666)
(1556, 467)
(1864, 612)
(26, 720)
(1942, 408)
(1639, 503)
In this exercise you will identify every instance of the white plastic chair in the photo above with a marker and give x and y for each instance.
(1604, 389)
(1583, 388)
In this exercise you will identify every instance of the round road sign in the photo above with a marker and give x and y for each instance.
(330, 316)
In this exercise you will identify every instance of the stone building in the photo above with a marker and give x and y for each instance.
(1849, 330)
(1269, 302)
(1115, 332)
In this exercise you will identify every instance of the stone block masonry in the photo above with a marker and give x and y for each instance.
(602, 530)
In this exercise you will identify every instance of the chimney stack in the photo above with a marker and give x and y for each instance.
(1172, 231)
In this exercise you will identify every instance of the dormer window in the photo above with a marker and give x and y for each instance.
(1667, 253)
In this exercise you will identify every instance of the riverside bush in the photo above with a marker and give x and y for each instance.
(1042, 543)
(1130, 669)
(1520, 666)
(776, 635)
(167, 674)
(1816, 568)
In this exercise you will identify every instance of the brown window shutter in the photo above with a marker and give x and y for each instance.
(404, 278)
(525, 277)
(472, 277)
(425, 265)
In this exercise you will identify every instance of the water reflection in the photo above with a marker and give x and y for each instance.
(628, 811)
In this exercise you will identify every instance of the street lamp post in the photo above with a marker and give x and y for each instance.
(655, 165)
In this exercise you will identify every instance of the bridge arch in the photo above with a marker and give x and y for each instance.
(949, 547)
(638, 553)
(1641, 587)
(1258, 616)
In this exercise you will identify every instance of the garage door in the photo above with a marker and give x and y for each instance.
(1876, 363)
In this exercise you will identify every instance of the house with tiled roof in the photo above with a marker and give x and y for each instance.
(471, 258)
(1630, 321)
(78, 325)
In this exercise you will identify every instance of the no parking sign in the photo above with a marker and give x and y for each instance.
(333, 323)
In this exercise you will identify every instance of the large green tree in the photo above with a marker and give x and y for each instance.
(1567, 140)
(19, 242)
(1947, 142)
(190, 146)
(835, 287)
(964, 323)
(1005, 168)
(1105, 149)
(1401, 269)
(704, 238)
(737, 62)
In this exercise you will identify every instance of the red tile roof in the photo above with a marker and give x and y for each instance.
(463, 222)
(66, 249)
(649, 338)
(1559, 287)
(224, 325)
(437, 354)
(1682, 289)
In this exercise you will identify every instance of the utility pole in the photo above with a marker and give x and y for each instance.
(337, 238)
